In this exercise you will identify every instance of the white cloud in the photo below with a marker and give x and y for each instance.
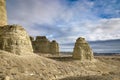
(34, 11)
(106, 29)
(62, 22)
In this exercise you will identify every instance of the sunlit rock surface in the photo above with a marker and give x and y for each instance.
(82, 50)
(42, 45)
(3, 14)
(14, 39)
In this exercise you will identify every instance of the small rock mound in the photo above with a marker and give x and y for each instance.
(82, 50)
(14, 39)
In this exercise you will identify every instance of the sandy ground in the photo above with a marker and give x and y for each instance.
(113, 63)
(36, 67)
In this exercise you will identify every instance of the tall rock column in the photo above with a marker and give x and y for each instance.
(13, 38)
(3, 15)
(82, 50)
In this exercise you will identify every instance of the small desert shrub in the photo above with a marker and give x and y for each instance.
(105, 74)
(112, 73)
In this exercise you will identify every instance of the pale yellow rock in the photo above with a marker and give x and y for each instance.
(14, 39)
(54, 48)
(3, 15)
(82, 50)
(7, 78)
(43, 45)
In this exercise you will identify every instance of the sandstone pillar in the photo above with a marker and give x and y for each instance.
(82, 50)
(3, 15)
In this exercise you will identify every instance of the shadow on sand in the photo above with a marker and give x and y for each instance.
(63, 58)
(103, 77)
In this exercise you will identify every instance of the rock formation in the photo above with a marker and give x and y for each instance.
(43, 45)
(14, 39)
(82, 50)
(3, 15)
(54, 48)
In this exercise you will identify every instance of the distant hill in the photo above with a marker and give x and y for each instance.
(106, 41)
(106, 46)
(103, 46)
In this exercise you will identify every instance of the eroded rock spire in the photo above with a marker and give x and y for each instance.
(3, 14)
(82, 50)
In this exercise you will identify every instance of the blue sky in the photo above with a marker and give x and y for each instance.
(66, 20)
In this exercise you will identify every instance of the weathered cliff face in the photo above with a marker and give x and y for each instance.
(54, 48)
(82, 50)
(42, 45)
(14, 39)
(3, 14)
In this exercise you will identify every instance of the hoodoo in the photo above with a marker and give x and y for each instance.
(3, 14)
(14, 39)
(82, 50)
(41, 44)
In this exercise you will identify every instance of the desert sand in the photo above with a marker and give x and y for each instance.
(39, 67)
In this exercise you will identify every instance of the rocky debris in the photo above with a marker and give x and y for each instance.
(3, 15)
(54, 48)
(82, 50)
(14, 39)
(42, 45)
